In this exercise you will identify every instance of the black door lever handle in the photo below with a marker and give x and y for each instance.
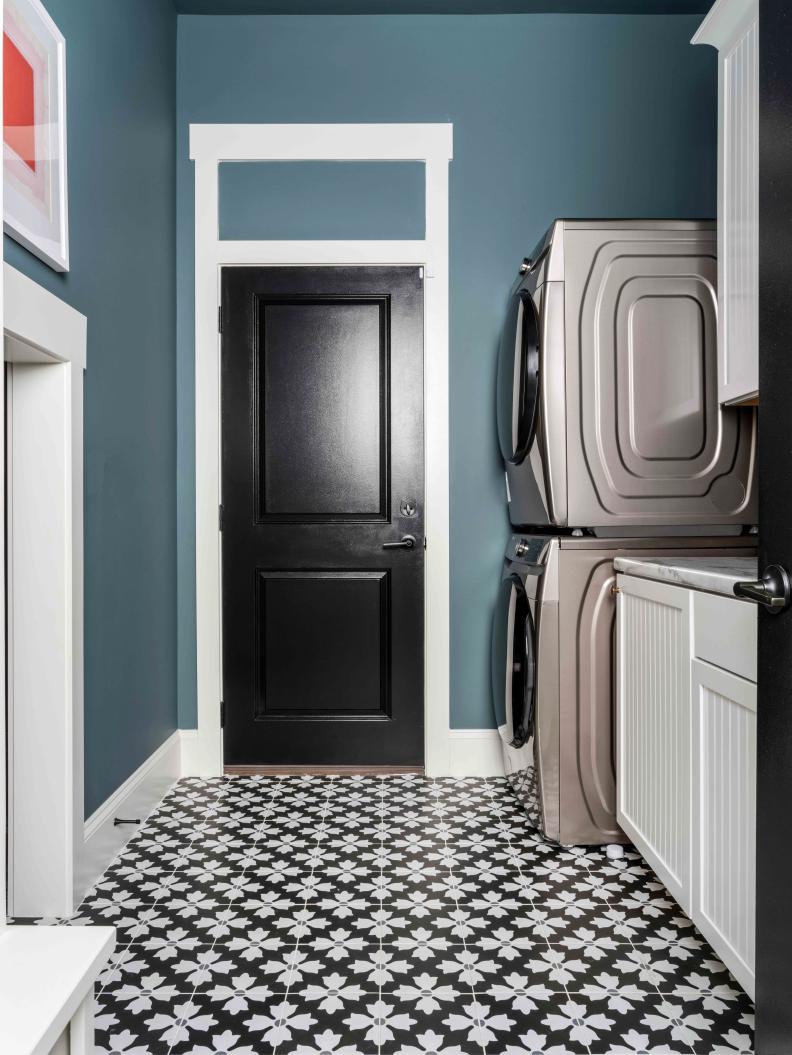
(773, 590)
(406, 542)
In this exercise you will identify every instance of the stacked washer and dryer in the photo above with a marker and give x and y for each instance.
(614, 443)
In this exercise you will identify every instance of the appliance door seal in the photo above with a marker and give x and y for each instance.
(514, 663)
(518, 386)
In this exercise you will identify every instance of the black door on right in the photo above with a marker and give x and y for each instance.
(774, 702)
(323, 513)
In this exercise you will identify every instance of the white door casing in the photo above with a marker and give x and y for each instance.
(211, 144)
(45, 345)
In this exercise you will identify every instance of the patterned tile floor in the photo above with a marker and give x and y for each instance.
(385, 915)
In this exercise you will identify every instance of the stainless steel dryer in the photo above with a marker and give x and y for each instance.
(552, 662)
(608, 414)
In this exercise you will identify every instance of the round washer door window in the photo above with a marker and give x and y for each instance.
(513, 663)
(518, 379)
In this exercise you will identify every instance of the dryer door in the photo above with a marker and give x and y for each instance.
(513, 663)
(518, 378)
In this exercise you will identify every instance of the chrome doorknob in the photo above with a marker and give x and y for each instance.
(405, 542)
(773, 590)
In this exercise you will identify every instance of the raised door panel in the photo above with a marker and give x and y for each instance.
(653, 726)
(322, 381)
(723, 903)
(322, 642)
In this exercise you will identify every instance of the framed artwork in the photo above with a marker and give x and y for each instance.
(35, 207)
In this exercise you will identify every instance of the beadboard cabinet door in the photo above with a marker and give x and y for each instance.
(653, 722)
(732, 26)
(723, 904)
(686, 754)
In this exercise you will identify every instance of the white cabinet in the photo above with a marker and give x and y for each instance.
(732, 26)
(686, 753)
(653, 690)
(724, 815)
(725, 633)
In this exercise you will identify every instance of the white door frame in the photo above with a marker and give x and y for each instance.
(45, 343)
(211, 144)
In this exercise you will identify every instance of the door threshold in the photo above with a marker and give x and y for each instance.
(320, 771)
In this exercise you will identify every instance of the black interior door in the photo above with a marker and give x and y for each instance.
(323, 516)
(774, 704)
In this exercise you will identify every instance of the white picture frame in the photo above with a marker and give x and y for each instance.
(35, 204)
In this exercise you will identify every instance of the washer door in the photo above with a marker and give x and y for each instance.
(518, 378)
(513, 663)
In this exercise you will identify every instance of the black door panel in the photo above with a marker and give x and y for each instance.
(322, 428)
(774, 697)
(322, 373)
(304, 664)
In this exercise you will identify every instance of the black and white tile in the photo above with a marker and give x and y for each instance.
(393, 916)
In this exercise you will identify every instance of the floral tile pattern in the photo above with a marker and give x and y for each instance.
(393, 916)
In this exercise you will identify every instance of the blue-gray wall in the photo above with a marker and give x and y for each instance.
(554, 115)
(121, 125)
(322, 199)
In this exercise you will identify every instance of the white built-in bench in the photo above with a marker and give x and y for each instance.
(47, 977)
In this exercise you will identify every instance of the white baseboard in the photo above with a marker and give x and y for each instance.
(189, 753)
(471, 753)
(137, 797)
(475, 753)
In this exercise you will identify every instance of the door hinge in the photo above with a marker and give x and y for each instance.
(220, 318)
(220, 518)
(222, 714)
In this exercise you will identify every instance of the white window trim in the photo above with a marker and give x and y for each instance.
(209, 146)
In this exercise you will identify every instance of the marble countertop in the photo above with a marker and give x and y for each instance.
(714, 574)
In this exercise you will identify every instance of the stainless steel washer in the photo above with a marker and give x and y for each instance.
(552, 675)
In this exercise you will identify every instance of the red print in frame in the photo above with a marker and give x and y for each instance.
(35, 197)
(19, 103)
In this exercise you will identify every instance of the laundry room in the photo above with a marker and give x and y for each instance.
(418, 644)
